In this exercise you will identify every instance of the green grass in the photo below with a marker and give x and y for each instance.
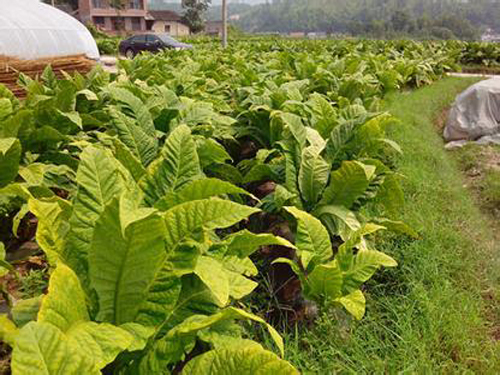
(480, 164)
(491, 187)
(33, 284)
(436, 312)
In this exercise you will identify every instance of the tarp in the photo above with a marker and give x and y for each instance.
(30, 30)
(475, 114)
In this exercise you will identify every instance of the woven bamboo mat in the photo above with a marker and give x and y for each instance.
(11, 67)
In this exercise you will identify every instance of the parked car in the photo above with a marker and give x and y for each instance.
(151, 43)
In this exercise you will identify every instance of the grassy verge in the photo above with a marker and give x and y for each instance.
(481, 167)
(436, 312)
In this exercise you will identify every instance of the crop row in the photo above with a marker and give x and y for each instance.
(163, 194)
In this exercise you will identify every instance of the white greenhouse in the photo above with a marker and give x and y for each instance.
(30, 30)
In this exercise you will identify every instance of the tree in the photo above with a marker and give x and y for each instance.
(193, 15)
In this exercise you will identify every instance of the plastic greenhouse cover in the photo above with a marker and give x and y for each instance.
(30, 29)
(475, 115)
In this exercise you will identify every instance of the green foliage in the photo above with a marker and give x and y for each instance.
(429, 19)
(194, 12)
(243, 361)
(335, 279)
(146, 185)
(10, 155)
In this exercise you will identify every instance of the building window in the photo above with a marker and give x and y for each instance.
(135, 4)
(167, 29)
(100, 4)
(118, 23)
(99, 21)
(136, 23)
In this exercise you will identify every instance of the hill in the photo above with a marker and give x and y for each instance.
(377, 18)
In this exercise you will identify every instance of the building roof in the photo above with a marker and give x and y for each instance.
(165, 15)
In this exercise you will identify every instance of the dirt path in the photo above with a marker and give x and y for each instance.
(452, 74)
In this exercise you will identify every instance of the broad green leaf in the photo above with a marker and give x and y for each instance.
(244, 243)
(293, 265)
(140, 335)
(391, 194)
(316, 141)
(239, 286)
(16, 221)
(121, 270)
(159, 355)
(292, 152)
(398, 227)
(196, 323)
(128, 159)
(325, 281)
(41, 348)
(142, 143)
(53, 225)
(226, 172)
(99, 181)
(209, 214)
(5, 108)
(243, 266)
(213, 275)
(195, 298)
(340, 136)
(88, 94)
(354, 303)
(364, 266)
(65, 307)
(347, 184)
(177, 165)
(211, 152)
(221, 341)
(311, 235)
(10, 156)
(8, 330)
(135, 107)
(294, 125)
(341, 213)
(248, 361)
(391, 144)
(161, 299)
(33, 173)
(5, 266)
(26, 310)
(356, 240)
(182, 260)
(198, 189)
(65, 303)
(73, 117)
(282, 196)
(260, 172)
(324, 114)
(313, 176)
(100, 342)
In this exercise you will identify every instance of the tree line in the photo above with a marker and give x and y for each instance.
(442, 19)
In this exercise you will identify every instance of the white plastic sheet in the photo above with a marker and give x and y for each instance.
(30, 29)
(475, 115)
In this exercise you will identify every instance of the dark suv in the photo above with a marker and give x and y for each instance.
(151, 43)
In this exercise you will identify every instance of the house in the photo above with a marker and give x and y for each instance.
(297, 34)
(213, 28)
(166, 21)
(131, 18)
